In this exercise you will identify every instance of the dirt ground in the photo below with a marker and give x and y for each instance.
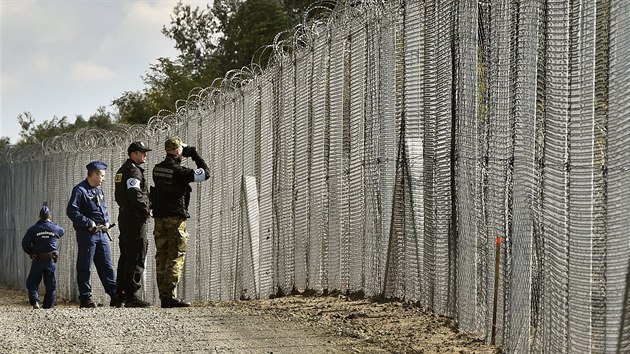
(351, 325)
(394, 326)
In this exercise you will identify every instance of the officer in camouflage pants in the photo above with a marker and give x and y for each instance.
(170, 198)
(171, 238)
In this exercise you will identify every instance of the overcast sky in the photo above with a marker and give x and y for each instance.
(68, 57)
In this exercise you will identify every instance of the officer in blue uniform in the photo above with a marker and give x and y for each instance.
(41, 243)
(86, 208)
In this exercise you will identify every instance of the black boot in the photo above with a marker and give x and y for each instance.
(87, 303)
(134, 301)
(116, 300)
(169, 302)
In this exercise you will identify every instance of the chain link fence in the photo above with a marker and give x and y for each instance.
(430, 151)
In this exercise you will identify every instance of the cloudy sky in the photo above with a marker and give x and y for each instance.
(68, 57)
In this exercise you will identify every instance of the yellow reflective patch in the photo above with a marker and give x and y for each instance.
(118, 178)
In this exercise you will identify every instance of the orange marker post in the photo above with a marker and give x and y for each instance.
(497, 257)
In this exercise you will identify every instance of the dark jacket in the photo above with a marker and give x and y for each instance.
(171, 194)
(131, 190)
(42, 237)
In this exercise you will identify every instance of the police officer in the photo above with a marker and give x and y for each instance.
(133, 199)
(41, 243)
(170, 198)
(86, 208)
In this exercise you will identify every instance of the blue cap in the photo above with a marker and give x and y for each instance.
(96, 165)
(44, 212)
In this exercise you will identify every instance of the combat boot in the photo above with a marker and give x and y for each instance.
(116, 300)
(169, 302)
(134, 301)
(87, 303)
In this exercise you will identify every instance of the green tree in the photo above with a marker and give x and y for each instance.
(252, 26)
(167, 81)
(170, 81)
(80, 122)
(4, 141)
(134, 108)
(229, 34)
(211, 41)
(194, 32)
(32, 133)
(101, 119)
(299, 10)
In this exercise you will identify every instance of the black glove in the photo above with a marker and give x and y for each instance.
(189, 151)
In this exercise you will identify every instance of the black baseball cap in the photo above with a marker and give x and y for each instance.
(137, 146)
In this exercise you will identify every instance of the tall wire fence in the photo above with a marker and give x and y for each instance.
(421, 150)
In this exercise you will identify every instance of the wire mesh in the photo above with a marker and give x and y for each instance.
(521, 246)
(318, 230)
(301, 189)
(383, 151)
(616, 139)
(468, 175)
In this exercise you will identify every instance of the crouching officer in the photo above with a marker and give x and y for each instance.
(41, 243)
(133, 199)
(86, 208)
(170, 198)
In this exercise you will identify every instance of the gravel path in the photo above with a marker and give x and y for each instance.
(197, 329)
(292, 324)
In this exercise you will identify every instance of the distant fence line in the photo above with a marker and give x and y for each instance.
(387, 151)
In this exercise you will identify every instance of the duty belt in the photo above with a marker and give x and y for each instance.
(47, 256)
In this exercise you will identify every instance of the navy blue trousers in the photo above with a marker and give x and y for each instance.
(47, 270)
(94, 248)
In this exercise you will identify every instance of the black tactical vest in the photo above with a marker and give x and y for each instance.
(171, 195)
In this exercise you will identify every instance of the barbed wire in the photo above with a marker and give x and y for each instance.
(367, 53)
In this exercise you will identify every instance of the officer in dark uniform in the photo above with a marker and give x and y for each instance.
(133, 199)
(170, 198)
(41, 243)
(86, 208)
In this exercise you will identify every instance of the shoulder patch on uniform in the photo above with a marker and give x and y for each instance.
(133, 183)
(118, 178)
